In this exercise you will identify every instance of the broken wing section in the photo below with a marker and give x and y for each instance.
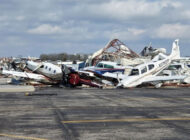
(24, 75)
(163, 78)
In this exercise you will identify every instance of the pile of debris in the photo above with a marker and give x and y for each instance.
(114, 66)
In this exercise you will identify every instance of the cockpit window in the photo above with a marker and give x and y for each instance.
(174, 67)
(100, 65)
(134, 72)
(42, 66)
(108, 66)
(151, 66)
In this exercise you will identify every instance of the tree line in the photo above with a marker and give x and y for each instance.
(64, 57)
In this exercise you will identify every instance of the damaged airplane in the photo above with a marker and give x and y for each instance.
(147, 72)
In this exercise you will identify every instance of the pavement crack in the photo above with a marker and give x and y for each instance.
(59, 116)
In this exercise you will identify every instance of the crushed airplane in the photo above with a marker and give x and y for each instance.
(152, 52)
(178, 67)
(147, 72)
(49, 73)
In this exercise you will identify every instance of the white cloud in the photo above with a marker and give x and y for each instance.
(77, 33)
(136, 32)
(20, 18)
(126, 34)
(3, 18)
(172, 31)
(94, 22)
(45, 29)
(186, 14)
(120, 9)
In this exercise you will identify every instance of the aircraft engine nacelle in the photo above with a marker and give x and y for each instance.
(74, 79)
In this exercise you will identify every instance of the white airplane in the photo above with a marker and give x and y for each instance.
(106, 66)
(44, 72)
(147, 72)
(49, 70)
(52, 74)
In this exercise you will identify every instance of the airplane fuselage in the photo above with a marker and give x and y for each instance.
(142, 72)
(49, 70)
(106, 66)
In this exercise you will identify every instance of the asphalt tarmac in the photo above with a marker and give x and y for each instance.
(96, 114)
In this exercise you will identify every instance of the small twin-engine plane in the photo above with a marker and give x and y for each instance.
(49, 73)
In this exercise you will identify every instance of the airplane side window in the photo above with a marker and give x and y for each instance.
(144, 70)
(171, 67)
(46, 67)
(178, 67)
(174, 67)
(151, 66)
(100, 65)
(108, 66)
(49, 69)
(134, 72)
(54, 71)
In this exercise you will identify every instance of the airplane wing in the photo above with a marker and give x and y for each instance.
(24, 74)
(163, 78)
(37, 67)
(114, 75)
(91, 74)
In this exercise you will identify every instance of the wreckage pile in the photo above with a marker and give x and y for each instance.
(115, 65)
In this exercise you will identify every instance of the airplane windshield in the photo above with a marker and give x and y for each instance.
(134, 72)
(108, 66)
(100, 65)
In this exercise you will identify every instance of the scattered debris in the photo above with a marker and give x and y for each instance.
(113, 66)
(115, 51)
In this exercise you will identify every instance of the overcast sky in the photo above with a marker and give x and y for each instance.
(33, 27)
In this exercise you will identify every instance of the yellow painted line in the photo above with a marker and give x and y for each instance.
(20, 137)
(127, 120)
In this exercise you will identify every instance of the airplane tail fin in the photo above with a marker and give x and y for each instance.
(175, 54)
